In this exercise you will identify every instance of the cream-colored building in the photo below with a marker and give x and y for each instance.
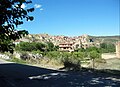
(67, 46)
(72, 46)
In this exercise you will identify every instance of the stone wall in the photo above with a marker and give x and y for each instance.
(118, 49)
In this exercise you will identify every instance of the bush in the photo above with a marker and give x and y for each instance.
(71, 61)
(20, 61)
(26, 46)
(53, 54)
(24, 56)
(100, 60)
(93, 49)
(107, 47)
(71, 65)
(94, 55)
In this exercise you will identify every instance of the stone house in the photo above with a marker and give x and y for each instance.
(67, 46)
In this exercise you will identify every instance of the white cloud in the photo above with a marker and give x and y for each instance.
(41, 9)
(37, 6)
(23, 6)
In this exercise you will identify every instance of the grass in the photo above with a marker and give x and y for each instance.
(16, 60)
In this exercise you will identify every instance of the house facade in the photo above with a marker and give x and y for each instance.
(72, 46)
(67, 46)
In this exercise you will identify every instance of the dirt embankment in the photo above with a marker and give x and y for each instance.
(108, 55)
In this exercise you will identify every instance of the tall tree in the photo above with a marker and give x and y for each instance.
(11, 16)
(94, 55)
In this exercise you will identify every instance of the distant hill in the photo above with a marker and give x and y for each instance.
(61, 38)
(106, 39)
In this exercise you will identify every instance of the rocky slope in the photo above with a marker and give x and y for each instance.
(61, 38)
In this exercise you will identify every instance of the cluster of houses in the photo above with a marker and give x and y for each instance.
(65, 43)
(81, 42)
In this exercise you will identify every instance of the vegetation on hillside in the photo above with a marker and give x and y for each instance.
(107, 47)
(68, 59)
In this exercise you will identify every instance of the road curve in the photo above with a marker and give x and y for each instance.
(19, 75)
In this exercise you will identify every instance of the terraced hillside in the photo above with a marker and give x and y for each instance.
(61, 38)
(107, 39)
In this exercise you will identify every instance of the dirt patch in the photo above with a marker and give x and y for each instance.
(108, 55)
(113, 64)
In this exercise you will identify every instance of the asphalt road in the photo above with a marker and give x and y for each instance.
(18, 75)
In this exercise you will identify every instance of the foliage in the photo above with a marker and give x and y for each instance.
(20, 61)
(94, 54)
(93, 49)
(6, 45)
(56, 48)
(11, 16)
(53, 55)
(107, 47)
(71, 61)
(39, 46)
(24, 56)
(26, 46)
(36, 46)
(80, 50)
(80, 55)
(99, 60)
(104, 48)
(38, 52)
(51, 47)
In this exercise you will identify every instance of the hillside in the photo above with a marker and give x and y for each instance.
(107, 39)
(61, 38)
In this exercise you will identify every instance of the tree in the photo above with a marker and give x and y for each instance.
(94, 55)
(34, 46)
(93, 49)
(40, 46)
(11, 16)
(107, 47)
(25, 46)
(50, 46)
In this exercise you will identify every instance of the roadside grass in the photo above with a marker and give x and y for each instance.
(54, 64)
(111, 66)
(16, 60)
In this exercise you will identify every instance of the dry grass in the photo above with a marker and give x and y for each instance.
(113, 64)
(50, 64)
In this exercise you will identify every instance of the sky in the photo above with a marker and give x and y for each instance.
(74, 17)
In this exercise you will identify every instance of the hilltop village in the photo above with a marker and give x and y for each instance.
(65, 43)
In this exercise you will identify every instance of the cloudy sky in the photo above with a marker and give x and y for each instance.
(74, 17)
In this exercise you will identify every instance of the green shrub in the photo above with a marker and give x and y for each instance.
(20, 61)
(107, 47)
(71, 61)
(25, 56)
(100, 60)
(54, 55)
(34, 46)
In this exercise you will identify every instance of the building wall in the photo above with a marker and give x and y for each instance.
(118, 49)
